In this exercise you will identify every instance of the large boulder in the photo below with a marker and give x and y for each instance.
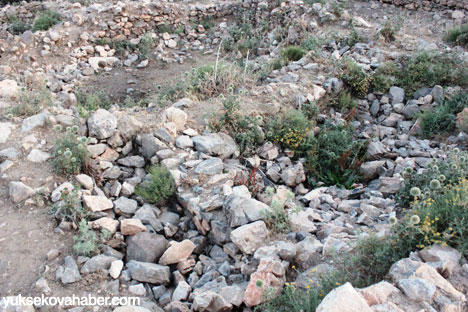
(218, 144)
(177, 251)
(149, 272)
(270, 276)
(20, 191)
(242, 210)
(344, 299)
(146, 247)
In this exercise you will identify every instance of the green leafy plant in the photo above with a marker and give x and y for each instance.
(31, 102)
(443, 117)
(70, 152)
(88, 102)
(293, 53)
(458, 35)
(343, 101)
(45, 20)
(335, 157)
(158, 187)
(291, 130)
(69, 207)
(277, 218)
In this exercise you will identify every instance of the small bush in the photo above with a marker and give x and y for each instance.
(458, 35)
(17, 27)
(70, 153)
(335, 157)
(353, 37)
(292, 130)
(159, 187)
(313, 44)
(243, 128)
(45, 20)
(343, 101)
(69, 207)
(356, 79)
(243, 38)
(87, 242)
(293, 53)
(31, 102)
(88, 102)
(443, 117)
(389, 31)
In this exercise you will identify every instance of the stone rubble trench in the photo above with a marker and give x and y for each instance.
(210, 245)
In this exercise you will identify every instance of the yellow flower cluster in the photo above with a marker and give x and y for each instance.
(291, 138)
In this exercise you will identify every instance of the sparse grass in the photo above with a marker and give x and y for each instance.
(31, 102)
(353, 37)
(45, 20)
(458, 35)
(314, 44)
(243, 38)
(70, 152)
(159, 187)
(88, 102)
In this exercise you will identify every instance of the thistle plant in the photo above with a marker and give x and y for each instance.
(70, 152)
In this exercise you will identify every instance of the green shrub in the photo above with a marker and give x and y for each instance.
(244, 129)
(343, 101)
(458, 35)
(31, 102)
(443, 117)
(70, 152)
(314, 44)
(353, 37)
(335, 157)
(45, 20)
(69, 207)
(389, 31)
(243, 37)
(159, 187)
(17, 27)
(87, 242)
(88, 102)
(292, 130)
(293, 53)
(356, 79)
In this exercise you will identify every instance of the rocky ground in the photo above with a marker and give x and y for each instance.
(206, 248)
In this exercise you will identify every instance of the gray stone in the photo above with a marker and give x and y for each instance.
(9, 153)
(150, 145)
(243, 210)
(19, 191)
(215, 145)
(149, 272)
(210, 166)
(372, 169)
(97, 203)
(97, 263)
(184, 141)
(146, 247)
(248, 238)
(38, 156)
(417, 289)
(343, 299)
(32, 122)
(411, 110)
(125, 206)
(438, 94)
(5, 131)
(147, 216)
(70, 273)
(102, 124)
(397, 94)
(181, 292)
(233, 294)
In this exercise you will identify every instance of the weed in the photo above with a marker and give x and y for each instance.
(313, 44)
(69, 207)
(70, 153)
(158, 187)
(250, 181)
(277, 218)
(45, 20)
(334, 157)
(343, 101)
(31, 102)
(87, 242)
(243, 38)
(165, 28)
(293, 53)
(353, 37)
(458, 35)
(91, 101)
(17, 27)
